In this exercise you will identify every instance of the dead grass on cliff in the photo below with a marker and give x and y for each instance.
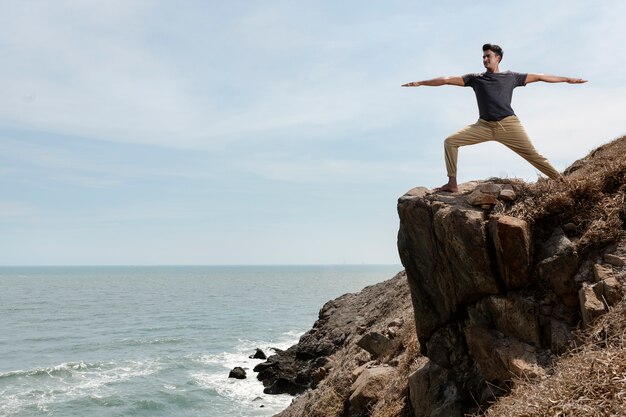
(589, 381)
(394, 402)
(591, 197)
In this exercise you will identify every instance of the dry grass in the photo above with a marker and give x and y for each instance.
(394, 401)
(592, 197)
(589, 381)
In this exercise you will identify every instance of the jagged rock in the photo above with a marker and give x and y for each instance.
(511, 238)
(479, 197)
(559, 266)
(591, 307)
(376, 344)
(507, 193)
(614, 259)
(607, 287)
(500, 357)
(306, 364)
(432, 393)
(489, 188)
(367, 389)
(608, 290)
(284, 386)
(238, 373)
(259, 354)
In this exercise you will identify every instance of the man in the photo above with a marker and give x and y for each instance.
(494, 91)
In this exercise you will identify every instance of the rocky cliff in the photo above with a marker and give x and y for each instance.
(498, 286)
(500, 279)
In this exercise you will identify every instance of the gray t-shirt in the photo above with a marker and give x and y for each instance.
(494, 92)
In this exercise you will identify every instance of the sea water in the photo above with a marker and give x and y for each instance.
(155, 341)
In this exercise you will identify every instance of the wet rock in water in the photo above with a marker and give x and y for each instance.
(238, 372)
(259, 354)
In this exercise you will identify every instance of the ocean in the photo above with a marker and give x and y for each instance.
(155, 341)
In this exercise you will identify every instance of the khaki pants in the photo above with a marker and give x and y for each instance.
(508, 131)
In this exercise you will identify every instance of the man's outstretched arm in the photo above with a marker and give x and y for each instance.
(531, 78)
(436, 82)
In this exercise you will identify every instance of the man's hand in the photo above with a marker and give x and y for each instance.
(413, 84)
(576, 81)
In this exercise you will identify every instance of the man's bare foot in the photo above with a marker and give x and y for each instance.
(450, 187)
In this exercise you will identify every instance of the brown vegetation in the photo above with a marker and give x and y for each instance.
(591, 198)
(589, 381)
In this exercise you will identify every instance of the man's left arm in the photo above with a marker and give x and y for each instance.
(531, 78)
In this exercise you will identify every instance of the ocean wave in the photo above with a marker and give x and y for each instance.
(64, 369)
(246, 392)
(239, 355)
(68, 381)
(153, 341)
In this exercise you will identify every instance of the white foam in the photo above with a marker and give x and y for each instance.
(247, 392)
(45, 386)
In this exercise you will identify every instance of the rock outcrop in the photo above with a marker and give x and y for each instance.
(347, 322)
(491, 301)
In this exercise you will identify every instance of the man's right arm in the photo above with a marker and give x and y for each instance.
(436, 82)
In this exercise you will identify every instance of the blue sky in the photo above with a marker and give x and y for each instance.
(273, 132)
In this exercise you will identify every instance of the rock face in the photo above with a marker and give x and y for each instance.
(490, 301)
(341, 322)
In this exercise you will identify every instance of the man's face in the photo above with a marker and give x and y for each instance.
(490, 60)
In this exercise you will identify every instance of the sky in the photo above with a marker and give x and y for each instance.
(270, 132)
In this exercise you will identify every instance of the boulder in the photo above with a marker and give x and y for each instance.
(259, 354)
(591, 306)
(507, 193)
(367, 389)
(478, 198)
(238, 373)
(607, 287)
(376, 344)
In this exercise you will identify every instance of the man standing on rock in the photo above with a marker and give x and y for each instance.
(494, 91)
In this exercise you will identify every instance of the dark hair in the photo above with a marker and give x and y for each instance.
(494, 48)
